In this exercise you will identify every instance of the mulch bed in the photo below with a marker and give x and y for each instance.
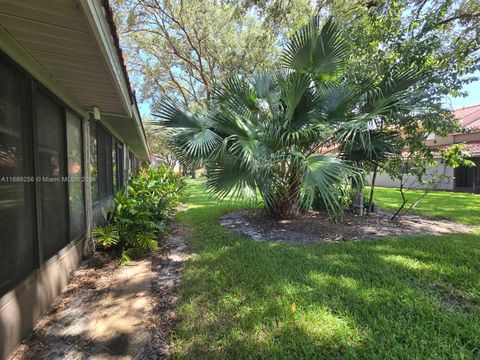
(316, 227)
(166, 268)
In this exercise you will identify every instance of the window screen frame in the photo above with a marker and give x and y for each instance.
(37, 87)
(120, 165)
(30, 142)
(83, 233)
(105, 143)
(28, 151)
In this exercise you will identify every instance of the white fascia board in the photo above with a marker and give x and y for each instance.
(95, 15)
(138, 121)
(17, 53)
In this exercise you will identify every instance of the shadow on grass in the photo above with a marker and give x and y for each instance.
(395, 298)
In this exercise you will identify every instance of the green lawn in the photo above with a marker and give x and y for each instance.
(410, 298)
(461, 207)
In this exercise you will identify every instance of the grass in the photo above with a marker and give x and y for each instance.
(461, 207)
(400, 298)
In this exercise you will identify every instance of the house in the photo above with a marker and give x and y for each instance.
(70, 137)
(156, 160)
(460, 179)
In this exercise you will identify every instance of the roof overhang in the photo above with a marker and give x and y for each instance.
(71, 48)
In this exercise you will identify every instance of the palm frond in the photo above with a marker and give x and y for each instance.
(193, 138)
(388, 97)
(315, 49)
(226, 177)
(322, 173)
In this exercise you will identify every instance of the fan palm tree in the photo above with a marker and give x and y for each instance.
(264, 133)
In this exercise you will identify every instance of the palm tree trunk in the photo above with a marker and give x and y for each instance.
(288, 205)
(357, 201)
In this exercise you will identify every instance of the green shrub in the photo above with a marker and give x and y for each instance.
(106, 236)
(343, 194)
(137, 218)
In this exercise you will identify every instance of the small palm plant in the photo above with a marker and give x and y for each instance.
(268, 133)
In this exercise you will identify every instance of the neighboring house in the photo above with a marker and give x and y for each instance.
(156, 160)
(70, 136)
(460, 179)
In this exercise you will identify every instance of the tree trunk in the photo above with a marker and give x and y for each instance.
(289, 207)
(404, 200)
(372, 190)
(357, 201)
(288, 204)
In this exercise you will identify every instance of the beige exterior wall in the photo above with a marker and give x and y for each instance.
(454, 139)
(384, 180)
(24, 305)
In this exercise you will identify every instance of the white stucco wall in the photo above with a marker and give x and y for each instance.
(384, 180)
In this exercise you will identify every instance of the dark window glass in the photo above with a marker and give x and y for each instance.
(130, 166)
(104, 163)
(120, 168)
(76, 196)
(93, 161)
(463, 177)
(114, 165)
(108, 165)
(17, 240)
(134, 165)
(101, 163)
(50, 127)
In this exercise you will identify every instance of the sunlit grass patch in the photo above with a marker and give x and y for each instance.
(461, 207)
(412, 298)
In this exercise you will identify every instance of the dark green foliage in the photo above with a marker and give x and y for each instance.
(264, 134)
(138, 217)
(344, 193)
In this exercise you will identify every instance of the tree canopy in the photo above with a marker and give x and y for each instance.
(265, 131)
(181, 50)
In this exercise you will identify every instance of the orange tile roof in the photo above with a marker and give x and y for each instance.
(472, 147)
(469, 117)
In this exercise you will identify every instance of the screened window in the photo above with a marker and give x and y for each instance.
(93, 163)
(108, 165)
(117, 162)
(120, 168)
(130, 166)
(463, 177)
(104, 164)
(40, 144)
(17, 240)
(134, 165)
(76, 197)
(50, 127)
(114, 164)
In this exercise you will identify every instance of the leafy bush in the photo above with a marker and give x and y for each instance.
(344, 194)
(138, 217)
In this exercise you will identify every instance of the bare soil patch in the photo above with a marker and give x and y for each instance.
(111, 312)
(316, 227)
(167, 271)
(89, 283)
